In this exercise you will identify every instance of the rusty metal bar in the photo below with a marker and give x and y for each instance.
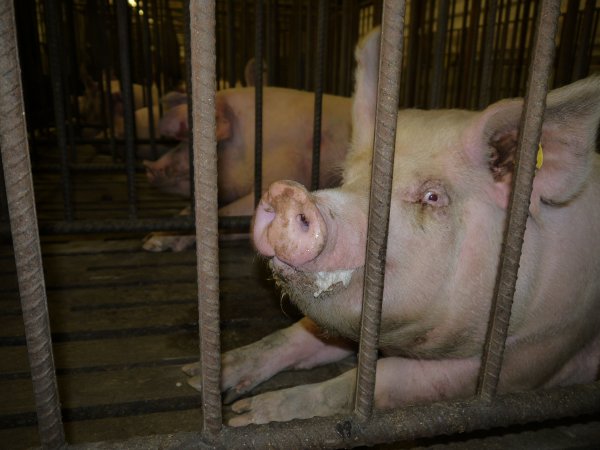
(401, 425)
(176, 223)
(148, 76)
(487, 49)
(204, 143)
(581, 65)
(58, 96)
(23, 220)
(518, 209)
(127, 96)
(319, 71)
(258, 98)
(437, 85)
(379, 203)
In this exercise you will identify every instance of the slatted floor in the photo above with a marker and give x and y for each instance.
(124, 321)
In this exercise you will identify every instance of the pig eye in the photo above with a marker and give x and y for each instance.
(430, 198)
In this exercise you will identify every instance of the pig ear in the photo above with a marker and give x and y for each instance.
(568, 142)
(364, 103)
(174, 123)
(225, 119)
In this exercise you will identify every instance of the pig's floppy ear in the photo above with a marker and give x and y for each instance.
(225, 119)
(365, 94)
(568, 142)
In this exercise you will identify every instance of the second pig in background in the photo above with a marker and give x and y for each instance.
(287, 149)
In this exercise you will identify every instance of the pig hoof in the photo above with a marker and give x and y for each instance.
(191, 369)
(196, 382)
(231, 395)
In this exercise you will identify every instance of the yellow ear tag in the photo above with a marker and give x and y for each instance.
(540, 157)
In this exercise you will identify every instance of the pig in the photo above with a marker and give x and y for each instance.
(287, 148)
(452, 174)
(90, 103)
(170, 100)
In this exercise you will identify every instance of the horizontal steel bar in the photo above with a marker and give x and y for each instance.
(409, 423)
(179, 223)
(88, 168)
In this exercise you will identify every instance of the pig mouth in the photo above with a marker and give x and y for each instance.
(295, 282)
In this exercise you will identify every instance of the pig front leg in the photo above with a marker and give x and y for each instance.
(399, 382)
(160, 241)
(300, 346)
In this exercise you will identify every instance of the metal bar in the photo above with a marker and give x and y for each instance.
(487, 49)
(566, 53)
(379, 203)
(127, 96)
(518, 209)
(148, 76)
(258, 102)
(176, 223)
(319, 71)
(53, 31)
(23, 220)
(230, 16)
(581, 66)
(435, 101)
(401, 425)
(204, 140)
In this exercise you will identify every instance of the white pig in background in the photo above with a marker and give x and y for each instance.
(90, 103)
(287, 149)
(451, 185)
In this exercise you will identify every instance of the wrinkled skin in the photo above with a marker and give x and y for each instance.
(287, 147)
(452, 174)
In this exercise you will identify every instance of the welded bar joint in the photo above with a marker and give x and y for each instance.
(518, 209)
(28, 256)
(379, 203)
(204, 143)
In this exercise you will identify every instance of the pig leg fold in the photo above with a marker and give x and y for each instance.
(300, 346)
(159, 241)
(399, 382)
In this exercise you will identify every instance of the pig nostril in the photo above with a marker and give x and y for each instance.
(304, 223)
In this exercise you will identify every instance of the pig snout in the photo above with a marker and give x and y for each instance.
(288, 225)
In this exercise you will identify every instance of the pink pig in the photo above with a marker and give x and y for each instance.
(287, 148)
(452, 176)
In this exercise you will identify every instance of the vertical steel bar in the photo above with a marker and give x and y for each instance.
(486, 54)
(127, 96)
(319, 71)
(53, 31)
(581, 66)
(231, 75)
(379, 203)
(23, 220)
(258, 102)
(412, 53)
(566, 55)
(148, 76)
(204, 141)
(435, 101)
(529, 137)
